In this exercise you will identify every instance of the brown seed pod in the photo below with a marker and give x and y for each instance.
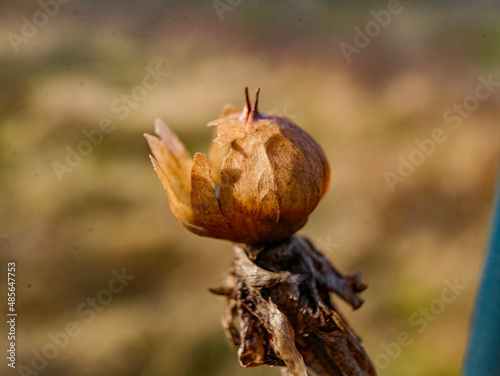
(262, 177)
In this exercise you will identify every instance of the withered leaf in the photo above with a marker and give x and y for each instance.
(286, 314)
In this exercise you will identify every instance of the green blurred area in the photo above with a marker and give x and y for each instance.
(67, 231)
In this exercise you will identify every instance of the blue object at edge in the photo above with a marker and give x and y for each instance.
(483, 349)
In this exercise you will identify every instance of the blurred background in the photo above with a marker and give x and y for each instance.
(403, 97)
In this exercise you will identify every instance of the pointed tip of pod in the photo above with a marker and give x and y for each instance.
(250, 111)
(254, 113)
(246, 108)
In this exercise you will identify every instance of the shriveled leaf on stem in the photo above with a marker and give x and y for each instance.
(281, 295)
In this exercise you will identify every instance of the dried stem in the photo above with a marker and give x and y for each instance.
(281, 294)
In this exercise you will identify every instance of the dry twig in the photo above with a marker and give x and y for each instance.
(281, 295)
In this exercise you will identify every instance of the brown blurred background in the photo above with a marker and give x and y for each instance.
(75, 214)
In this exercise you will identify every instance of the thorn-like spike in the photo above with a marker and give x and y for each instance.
(247, 109)
(254, 113)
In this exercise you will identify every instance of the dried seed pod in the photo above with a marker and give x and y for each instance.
(272, 176)
(258, 184)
